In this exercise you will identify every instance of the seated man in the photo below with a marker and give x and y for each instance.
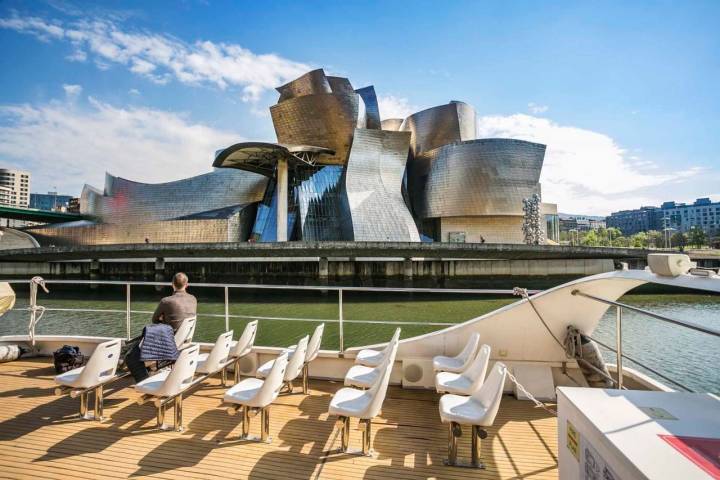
(172, 311)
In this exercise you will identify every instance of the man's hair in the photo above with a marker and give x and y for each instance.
(180, 280)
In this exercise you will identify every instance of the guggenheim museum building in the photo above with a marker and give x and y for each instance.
(337, 172)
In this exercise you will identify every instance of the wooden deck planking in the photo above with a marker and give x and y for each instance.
(41, 436)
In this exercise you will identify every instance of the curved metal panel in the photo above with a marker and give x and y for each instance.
(372, 110)
(391, 124)
(375, 207)
(311, 83)
(325, 120)
(480, 177)
(437, 126)
(128, 202)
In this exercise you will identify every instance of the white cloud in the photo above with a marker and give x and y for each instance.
(72, 91)
(395, 107)
(134, 91)
(66, 145)
(534, 108)
(160, 57)
(585, 171)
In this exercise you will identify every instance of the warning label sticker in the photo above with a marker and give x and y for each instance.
(573, 440)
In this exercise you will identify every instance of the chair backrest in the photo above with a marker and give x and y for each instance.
(468, 353)
(185, 331)
(102, 364)
(388, 347)
(490, 394)
(478, 368)
(295, 364)
(246, 341)
(379, 388)
(219, 353)
(314, 344)
(182, 372)
(273, 383)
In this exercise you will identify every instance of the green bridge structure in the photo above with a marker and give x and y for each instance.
(40, 216)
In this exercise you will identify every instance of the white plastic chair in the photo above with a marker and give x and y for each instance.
(362, 404)
(81, 381)
(295, 363)
(217, 359)
(184, 333)
(364, 377)
(467, 382)
(243, 347)
(461, 361)
(313, 349)
(478, 410)
(169, 385)
(373, 358)
(256, 394)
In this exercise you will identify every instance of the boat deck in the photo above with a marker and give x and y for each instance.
(41, 436)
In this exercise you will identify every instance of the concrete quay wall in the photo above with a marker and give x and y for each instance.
(454, 273)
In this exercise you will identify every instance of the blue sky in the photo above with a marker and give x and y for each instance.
(623, 93)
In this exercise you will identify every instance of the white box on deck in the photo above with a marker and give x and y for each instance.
(537, 380)
(614, 434)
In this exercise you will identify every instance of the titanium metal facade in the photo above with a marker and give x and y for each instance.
(438, 126)
(126, 202)
(480, 177)
(347, 174)
(373, 180)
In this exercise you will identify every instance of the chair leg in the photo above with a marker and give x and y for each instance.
(366, 438)
(223, 377)
(161, 417)
(265, 428)
(99, 403)
(306, 379)
(84, 397)
(454, 431)
(179, 413)
(345, 434)
(236, 371)
(475, 447)
(245, 421)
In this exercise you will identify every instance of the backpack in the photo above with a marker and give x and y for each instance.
(67, 358)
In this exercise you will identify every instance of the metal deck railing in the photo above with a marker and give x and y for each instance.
(618, 350)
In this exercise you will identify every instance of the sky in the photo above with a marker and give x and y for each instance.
(624, 94)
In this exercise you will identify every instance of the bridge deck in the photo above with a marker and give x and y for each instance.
(41, 437)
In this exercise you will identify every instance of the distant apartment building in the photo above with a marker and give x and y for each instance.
(74, 205)
(50, 201)
(15, 185)
(580, 223)
(681, 217)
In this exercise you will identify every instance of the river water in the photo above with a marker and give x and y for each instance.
(690, 357)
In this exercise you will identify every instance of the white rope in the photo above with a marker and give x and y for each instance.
(36, 311)
(530, 396)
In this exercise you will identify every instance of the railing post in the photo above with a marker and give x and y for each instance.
(227, 309)
(618, 336)
(127, 310)
(340, 317)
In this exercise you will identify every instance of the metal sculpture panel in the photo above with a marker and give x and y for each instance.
(324, 120)
(373, 178)
(438, 126)
(127, 202)
(481, 177)
(372, 110)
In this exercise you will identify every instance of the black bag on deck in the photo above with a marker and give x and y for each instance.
(67, 358)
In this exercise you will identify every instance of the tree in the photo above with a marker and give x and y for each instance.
(697, 237)
(591, 239)
(621, 242)
(639, 240)
(654, 239)
(679, 240)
